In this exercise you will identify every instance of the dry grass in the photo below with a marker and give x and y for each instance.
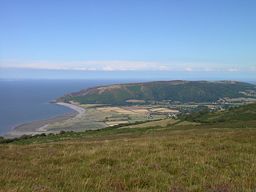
(116, 110)
(188, 123)
(160, 123)
(164, 110)
(113, 123)
(195, 159)
(125, 110)
(139, 110)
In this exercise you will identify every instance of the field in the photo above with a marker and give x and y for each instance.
(156, 123)
(137, 110)
(166, 155)
(99, 116)
(194, 159)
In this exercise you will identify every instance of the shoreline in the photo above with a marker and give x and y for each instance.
(80, 111)
(40, 126)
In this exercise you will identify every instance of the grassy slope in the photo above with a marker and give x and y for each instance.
(196, 91)
(173, 158)
(245, 114)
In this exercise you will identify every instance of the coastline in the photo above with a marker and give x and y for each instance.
(40, 126)
(74, 107)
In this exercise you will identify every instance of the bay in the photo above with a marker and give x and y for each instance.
(23, 101)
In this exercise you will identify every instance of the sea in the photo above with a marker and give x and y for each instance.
(24, 101)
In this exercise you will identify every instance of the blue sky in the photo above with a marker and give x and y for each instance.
(161, 37)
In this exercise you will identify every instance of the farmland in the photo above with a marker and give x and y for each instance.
(161, 155)
(98, 117)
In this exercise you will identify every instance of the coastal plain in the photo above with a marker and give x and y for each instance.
(166, 146)
(91, 117)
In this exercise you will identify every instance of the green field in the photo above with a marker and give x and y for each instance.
(181, 156)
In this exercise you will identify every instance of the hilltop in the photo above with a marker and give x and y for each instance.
(182, 91)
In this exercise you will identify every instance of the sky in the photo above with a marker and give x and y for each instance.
(163, 39)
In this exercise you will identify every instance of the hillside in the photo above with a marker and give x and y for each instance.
(183, 91)
(180, 156)
(236, 115)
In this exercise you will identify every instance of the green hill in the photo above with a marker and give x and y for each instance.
(183, 91)
(245, 113)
